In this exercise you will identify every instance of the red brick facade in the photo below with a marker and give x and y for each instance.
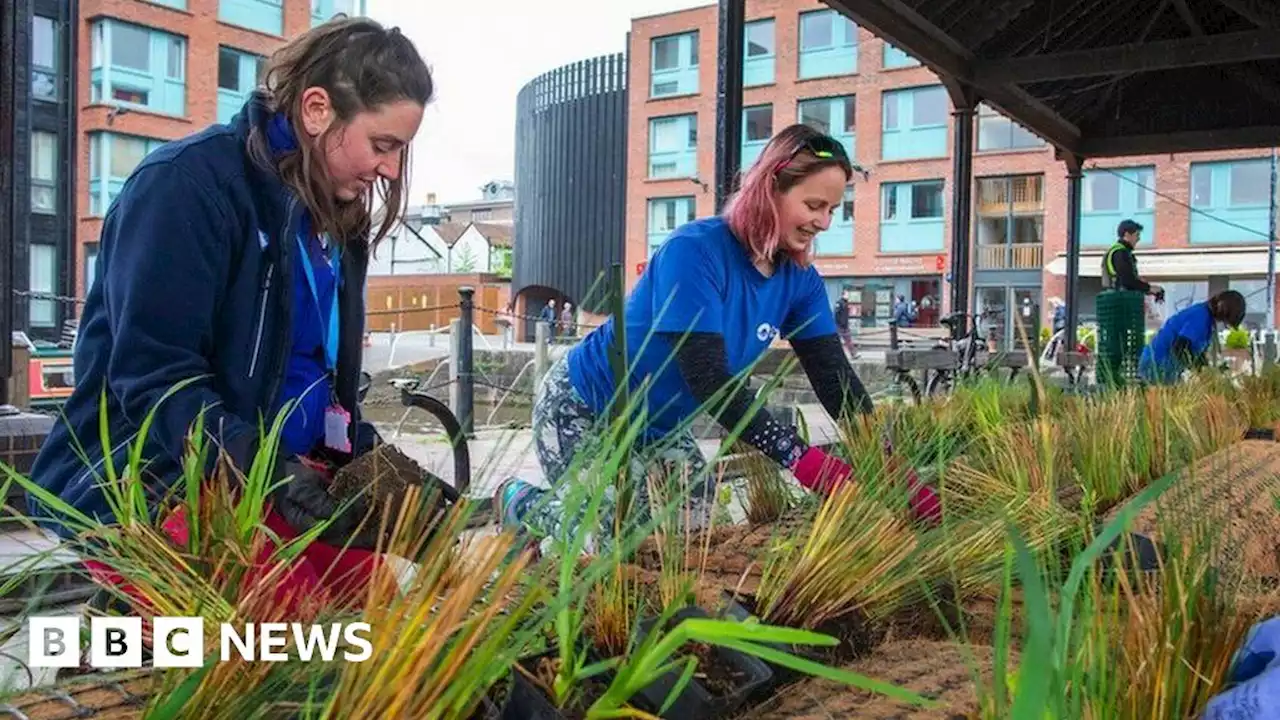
(871, 80)
(204, 33)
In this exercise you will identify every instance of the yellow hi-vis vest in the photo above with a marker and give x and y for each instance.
(1109, 268)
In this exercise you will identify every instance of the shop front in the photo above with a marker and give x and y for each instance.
(916, 279)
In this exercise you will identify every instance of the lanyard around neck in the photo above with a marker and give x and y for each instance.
(329, 330)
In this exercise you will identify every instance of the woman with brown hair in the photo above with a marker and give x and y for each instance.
(230, 282)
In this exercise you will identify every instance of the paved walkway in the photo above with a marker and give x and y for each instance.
(498, 454)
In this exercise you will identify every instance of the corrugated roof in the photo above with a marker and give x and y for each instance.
(1097, 79)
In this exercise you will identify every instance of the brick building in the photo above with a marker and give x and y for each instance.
(1206, 215)
(156, 71)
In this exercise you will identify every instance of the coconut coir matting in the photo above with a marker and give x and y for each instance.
(1231, 494)
(116, 696)
(941, 671)
(735, 553)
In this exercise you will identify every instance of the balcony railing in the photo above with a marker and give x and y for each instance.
(1021, 256)
(1025, 194)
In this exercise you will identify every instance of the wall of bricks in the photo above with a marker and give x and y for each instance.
(868, 84)
(200, 26)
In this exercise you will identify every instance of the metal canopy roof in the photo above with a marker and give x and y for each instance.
(1101, 78)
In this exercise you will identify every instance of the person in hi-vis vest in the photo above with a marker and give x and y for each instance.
(1120, 267)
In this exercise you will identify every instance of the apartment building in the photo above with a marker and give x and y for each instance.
(39, 124)
(1206, 216)
(157, 71)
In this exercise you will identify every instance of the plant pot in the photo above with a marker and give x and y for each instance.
(526, 700)
(1260, 434)
(739, 675)
(855, 636)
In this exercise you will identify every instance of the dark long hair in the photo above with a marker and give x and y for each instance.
(363, 66)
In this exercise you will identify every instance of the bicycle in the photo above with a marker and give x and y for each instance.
(965, 347)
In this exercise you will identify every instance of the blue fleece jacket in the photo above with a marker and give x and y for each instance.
(193, 310)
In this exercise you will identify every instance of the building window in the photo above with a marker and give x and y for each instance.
(265, 16)
(1114, 194)
(828, 44)
(759, 53)
(45, 45)
(481, 215)
(238, 74)
(324, 10)
(1255, 295)
(895, 58)
(43, 278)
(673, 142)
(44, 173)
(757, 128)
(911, 217)
(1231, 201)
(112, 159)
(1010, 223)
(667, 214)
(836, 116)
(997, 132)
(914, 123)
(90, 266)
(138, 67)
(674, 69)
(838, 238)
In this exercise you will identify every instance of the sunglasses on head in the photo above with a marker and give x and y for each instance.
(821, 147)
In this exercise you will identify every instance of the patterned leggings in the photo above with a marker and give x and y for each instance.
(563, 425)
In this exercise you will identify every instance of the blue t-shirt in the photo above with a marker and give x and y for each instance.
(1194, 323)
(306, 377)
(700, 280)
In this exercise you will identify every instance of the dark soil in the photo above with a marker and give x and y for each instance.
(1231, 493)
(385, 475)
(720, 679)
(586, 691)
(937, 670)
(856, 636)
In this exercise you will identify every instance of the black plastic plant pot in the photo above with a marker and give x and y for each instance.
(855, 638)
(1260, 434)
(525, 699)
(697, 701)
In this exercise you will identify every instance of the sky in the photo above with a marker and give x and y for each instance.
(481, 52)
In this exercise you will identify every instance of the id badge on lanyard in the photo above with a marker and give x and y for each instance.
(337, 421)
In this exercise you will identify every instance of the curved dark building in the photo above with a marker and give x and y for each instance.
(571, 183)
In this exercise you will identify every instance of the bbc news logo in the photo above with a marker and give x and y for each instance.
(117, 642)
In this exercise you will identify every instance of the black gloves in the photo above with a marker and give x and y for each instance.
(303, 500)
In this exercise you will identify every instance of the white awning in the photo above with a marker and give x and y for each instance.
(1197, 262)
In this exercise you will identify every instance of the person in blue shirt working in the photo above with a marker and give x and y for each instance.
(1183, 339)
(733, 284)
(234, 261)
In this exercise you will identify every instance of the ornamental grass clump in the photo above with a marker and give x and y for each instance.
(850, 560)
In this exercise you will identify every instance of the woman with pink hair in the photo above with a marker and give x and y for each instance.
(710, 301)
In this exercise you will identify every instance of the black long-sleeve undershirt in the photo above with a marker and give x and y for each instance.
(704, 365)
